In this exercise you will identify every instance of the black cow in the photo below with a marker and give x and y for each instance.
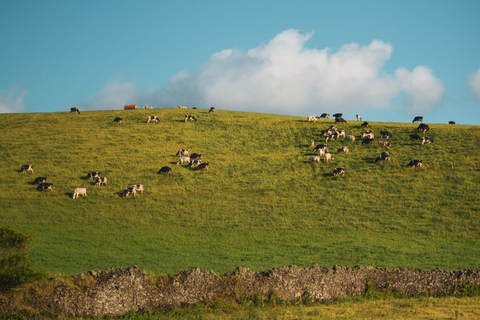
(212, 110)
(203, 166)
(74, 109)
(325, 116)
(93, 175)
(368, 141)
(365, 124)
(338, 115)
(385, 134)
(166, 170)
(414, 136)
(417, 119)
(340, 119)
(195, 156)
(118, 120)
(45, 186)
(451, 122)
(339, 171)
(415, 163)
(384, 156)
(39, 180)
(423, 127)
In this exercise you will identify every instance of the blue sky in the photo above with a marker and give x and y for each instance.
(387, 60)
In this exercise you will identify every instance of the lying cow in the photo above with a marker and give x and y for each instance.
(26, 168)
(203, 166)
(181, 107)
(79, 192)
(415, 163)
(344, 149)
(368, 141)
(165, 170)
(339, 171)
(384, 156)
(190, 117)
(153, 119)
(74, 109)
(100, 181)
(315, 159)
(118, 120)
(147, 107)
(364, 124)
(194, 163)
(385, 134)
(417, 119)
(414, 136)
(39, 180)
(92, 175)
(384, 144)
(312, 118)
(45, 186)
(426, 140)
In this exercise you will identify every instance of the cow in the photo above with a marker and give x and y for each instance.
(344, 149)
(79, 192)
(423, 127)
(338, 171)
(365, 124)
(327, 157)
(384, 156)
(414, 136)
(129, 191)
(312, 118)
(418, 119)
(183, 160)
(341, 133)
(358, 117)
(212, 110)
(203, 166)
(315, 159)
(147, 107)
(451, 122)
(74, 109)
(118, 120)
(100, 181)
(138, 188)
(340, 119)
(39, 180)
(415, 163)
(325, 116)
(384, 144)
(312, 143)
(338, 115)
(331, 137)
(183, 153)
(93, 175)
(385, 134)
(368, 134)
(194, 163)
(350, 138)
(322, 151)
(181, 107)
(166, 170)
(426, 140)
(321, 147)
(26, 168)
(153, 119)
(196, 156)
(368, 141)
(44, 186)
(189, 117)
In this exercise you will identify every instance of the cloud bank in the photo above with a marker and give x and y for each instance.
(12, 100)
(113, 96)
(474, 83)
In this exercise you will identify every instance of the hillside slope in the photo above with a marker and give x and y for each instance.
(262, 203)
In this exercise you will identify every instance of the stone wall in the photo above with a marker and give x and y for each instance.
(117, 291)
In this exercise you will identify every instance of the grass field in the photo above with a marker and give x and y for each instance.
(262, 204)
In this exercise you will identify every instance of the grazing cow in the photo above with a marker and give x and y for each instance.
(74, 109)
(368, 141)
(45, 186)
(118, 120)
(415, 163)
(331, 137)
(181, 107)
(365, 124)
(100, 181)
(417, 119)
(79, 192)
(358, 117)
(321, 146)
(190, 117)
(129, 191)
(341, 133)
(93, 175)
(147, 107)
(338, 115)
(325, 116)
(384, 156)
(153, 119)
(39, 180)
(26, 168)
(312, 143)
(340, 119)
(196, 156)
(203, 166)
(368, 134)
(384, 144)
(183, 160)
(385, 134)
(426, 140)
(194, 163)
(451, 122)
(350, 138)
(166, 170)
(423, 127)
(414, 136)
(138, 188)
(312, 118)
(212, 110)
(338, 171)
(344, 149)
(322, 152)
(327, 157)
(183, 153)
(315, 159)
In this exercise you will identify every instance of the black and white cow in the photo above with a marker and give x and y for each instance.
(414, 136)
(340, 119)
(325, 116)
(364, 124)
(385, 134)
(203, 166)
(339, 171)
(212, 110)
(415, 163)
(368, 141)
(93, 175)
(26, 168)
(118, 120)
(74, 109)
(190, 117)
(418, 119)
(44, 186)
(338, 115)
(153, 119)
(426, 140)
(39, 180)
(384, 156)
(423, 127)
(165, 170)
(196, 156)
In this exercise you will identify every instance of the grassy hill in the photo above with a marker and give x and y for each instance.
(262, 203)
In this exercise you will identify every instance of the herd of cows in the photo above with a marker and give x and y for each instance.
(194, 161)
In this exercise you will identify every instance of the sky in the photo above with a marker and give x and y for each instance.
(386, 60)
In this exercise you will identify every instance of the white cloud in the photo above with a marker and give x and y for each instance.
(283, 76)
(474, 83)
(12, 100)
(114, 95)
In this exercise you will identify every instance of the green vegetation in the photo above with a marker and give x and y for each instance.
(262, 204)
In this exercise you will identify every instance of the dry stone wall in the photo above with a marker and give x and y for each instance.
(118, 291)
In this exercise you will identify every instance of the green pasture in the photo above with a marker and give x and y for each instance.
(262, 204)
